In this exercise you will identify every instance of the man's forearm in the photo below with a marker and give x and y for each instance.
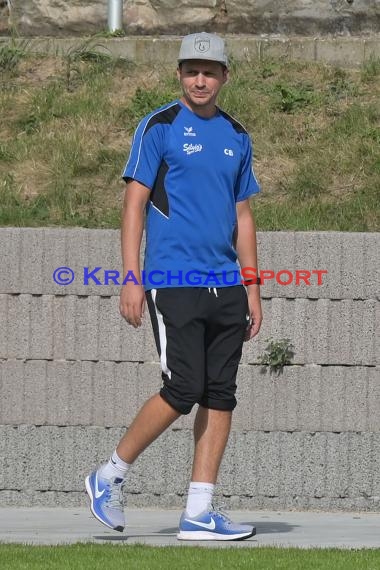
(246, 244)
(132, 228)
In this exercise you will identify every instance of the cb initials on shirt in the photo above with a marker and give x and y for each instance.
(228, 152)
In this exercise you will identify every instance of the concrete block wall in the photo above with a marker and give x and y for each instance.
(73, 374)
(344, 51)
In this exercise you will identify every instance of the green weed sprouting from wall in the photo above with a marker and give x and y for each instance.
(278, 353)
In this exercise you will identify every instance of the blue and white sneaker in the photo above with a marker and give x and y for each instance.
(212, 525)
(106, 500)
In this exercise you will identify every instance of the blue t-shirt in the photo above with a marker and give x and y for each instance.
(197, 169)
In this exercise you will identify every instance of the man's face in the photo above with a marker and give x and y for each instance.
(201, 82)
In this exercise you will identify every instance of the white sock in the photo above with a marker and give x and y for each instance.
(199, 498)
(115, 467)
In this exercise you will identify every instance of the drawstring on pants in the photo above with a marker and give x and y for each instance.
(214, 290)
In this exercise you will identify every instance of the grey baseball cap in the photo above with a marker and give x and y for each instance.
(203, 46)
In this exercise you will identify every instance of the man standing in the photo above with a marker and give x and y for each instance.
(190, 168)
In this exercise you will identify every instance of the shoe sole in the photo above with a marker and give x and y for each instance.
(89, 493)
(204, 535)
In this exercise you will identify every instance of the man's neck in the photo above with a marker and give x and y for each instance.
(206, 112)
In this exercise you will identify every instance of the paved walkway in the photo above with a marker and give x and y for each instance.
(157, 527)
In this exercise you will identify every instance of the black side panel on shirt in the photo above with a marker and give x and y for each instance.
(166, 116)
(158, 196)
(236, 125)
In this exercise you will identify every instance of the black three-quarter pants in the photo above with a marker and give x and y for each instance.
(199, 334)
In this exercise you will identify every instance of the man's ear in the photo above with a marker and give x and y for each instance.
(178, 73)
(226, 75)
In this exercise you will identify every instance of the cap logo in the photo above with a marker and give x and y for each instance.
(202, 45)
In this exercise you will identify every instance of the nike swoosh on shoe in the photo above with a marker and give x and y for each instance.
(210, 525)
(98, 493)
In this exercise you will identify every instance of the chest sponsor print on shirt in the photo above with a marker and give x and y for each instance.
(191, 148)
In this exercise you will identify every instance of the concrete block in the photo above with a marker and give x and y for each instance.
(103, 393)
(353, 265)
(286, 399)
(269, 466)
(35, 403)
(377, 334)
(62, 446)
(303, 49)
(104, 251)
(125, 404)
(81, 397)
(87, 325)
(18, 326)
(59, 319)
(110, 324)
(3, 452)
(360, 464)
(329, 258)
(339, 332)
(246, 463)
(70, 345)
(275, 48)
(372, 262)
(41, 327)
(77, 254)
(10, 260)
(4, 328)
(31, 256)
(263, 403)
(345, 52)
(308, 258)
(54, 256)
(376, 465)
(247, 50)
(156, 51)
(291, 461)
(317, 319)
(317, 331)
(283, 252)
(356, 398)
(59, 393)
(298, 323)
(18, 448)
(113, 387)
(314, 464)
(242, 416)
(39, 458)
(374, 399)
(364, 332)
(337, 465)
(371, 49)
(12, 392)
(310, 397)
(333, 388)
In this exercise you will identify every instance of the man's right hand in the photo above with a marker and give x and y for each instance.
(132, 304)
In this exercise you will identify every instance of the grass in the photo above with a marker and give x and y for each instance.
(66, 123)
(94, 557)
